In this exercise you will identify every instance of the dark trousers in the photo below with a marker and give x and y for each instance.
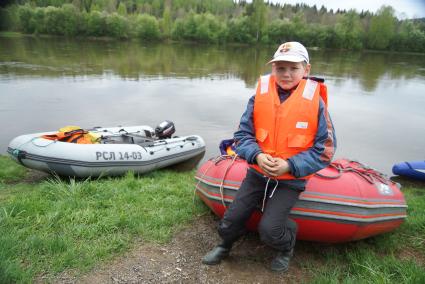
(275, 228)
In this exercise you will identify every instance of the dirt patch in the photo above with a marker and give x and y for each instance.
(33, 176)
(30, 177)
(412, 254)
(180, 262)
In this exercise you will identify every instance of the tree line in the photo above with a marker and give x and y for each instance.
(216, 21)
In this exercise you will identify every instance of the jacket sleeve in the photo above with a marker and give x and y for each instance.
(321, 153)
(246, 144)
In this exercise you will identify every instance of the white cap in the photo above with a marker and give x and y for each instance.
(291, 51)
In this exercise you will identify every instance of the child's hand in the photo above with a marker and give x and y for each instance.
(282, 167)
(267, 163)
(272, 166)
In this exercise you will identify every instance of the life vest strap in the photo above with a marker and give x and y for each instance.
(78, 136)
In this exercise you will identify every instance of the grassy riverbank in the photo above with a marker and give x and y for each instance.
(48, 226)
(10, 34)
(53, 225)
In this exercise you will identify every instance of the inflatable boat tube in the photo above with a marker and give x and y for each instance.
(123, 149)
(344, 202)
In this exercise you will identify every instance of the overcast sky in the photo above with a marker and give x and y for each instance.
(410, 8)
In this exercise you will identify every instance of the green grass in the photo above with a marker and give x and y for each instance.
(396, 257)
(10, 34)
(10, 171)
(57, 225)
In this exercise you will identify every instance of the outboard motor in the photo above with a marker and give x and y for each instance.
(165, 129)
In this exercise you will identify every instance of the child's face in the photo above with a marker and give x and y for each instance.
(289, 74)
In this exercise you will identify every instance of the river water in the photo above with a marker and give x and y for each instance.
(376, 100)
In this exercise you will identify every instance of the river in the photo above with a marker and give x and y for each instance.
(376, 99)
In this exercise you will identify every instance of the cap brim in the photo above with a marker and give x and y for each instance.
(289, 58)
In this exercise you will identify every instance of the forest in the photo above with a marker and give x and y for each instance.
(216, 22)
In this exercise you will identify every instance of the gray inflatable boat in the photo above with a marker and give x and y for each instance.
(135, 148)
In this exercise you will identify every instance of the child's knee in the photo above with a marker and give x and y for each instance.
(268, 232)
(276, 235)
(230, 231)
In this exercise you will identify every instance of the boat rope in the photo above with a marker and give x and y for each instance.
(168, 147)
(224, 177)
(42, 146)
(18, 148)
(336, 167)
(214, 162)
(19, 154)
(365, 172)
(202, 176)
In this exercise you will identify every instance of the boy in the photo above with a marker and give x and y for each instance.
(285, 135)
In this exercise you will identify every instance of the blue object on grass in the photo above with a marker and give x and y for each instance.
(415, 169)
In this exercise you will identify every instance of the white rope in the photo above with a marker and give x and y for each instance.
(277, 182)
(265, 195)
(214, 161)
(265, 192)
(16, 151)
(224, 177)
(202, 176)
(35, 138)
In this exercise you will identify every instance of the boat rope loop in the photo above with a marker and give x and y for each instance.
(32, 142)
(214, 162)
(168, 148)
(365, 172)
(201, 178)
(38, 145)
(20, 154)
(224, 177)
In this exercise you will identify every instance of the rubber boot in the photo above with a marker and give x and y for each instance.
(216, 255)
(281, 262)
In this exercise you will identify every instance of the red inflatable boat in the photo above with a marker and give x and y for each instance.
(344, 202)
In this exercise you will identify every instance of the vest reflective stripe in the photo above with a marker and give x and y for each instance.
(284, 130)
(309, 89)
(264, 84)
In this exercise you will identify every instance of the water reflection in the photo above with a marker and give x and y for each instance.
(54, 57)
(57, 57)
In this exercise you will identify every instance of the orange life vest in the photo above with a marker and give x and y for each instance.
(286, 129)
(78, 136)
